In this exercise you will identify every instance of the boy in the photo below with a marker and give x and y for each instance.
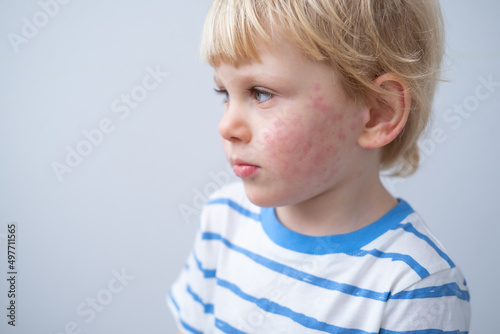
(320, 95)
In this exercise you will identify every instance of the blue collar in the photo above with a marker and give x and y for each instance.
(340, 243)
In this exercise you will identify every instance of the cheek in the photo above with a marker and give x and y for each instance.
(302, 149)
(321, 160)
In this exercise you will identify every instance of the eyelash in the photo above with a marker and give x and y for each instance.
(254, 91)
(222, 92)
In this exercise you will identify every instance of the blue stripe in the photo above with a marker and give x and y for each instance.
(275, 308)
(408, 227)
(207, 308)
(236, 207)
(330, 244)
(174, 301)
(418, 268)
(446, 290)
(300, 275)
(422, 331)
(183, 323)
(207, 273)
(227, 328)
(189, 328)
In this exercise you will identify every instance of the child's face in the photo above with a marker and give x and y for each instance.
(288, 130)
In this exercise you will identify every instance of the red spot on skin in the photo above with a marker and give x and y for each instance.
(376, 143)
(279, 126)
(318, 158)
(297, 142)
(341, 136)
(307, 147)
(318, 104)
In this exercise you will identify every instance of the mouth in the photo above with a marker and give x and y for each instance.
(244, 169)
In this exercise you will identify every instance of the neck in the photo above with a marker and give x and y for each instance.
(345, 208)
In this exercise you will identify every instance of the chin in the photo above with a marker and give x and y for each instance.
(260, 196)
(265, 197)
(260, 200)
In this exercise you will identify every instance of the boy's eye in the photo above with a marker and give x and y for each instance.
(261, 96)
(223, 92)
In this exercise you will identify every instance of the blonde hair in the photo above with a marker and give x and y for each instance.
(360, 39)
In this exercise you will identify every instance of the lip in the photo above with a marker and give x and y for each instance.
(244, 169)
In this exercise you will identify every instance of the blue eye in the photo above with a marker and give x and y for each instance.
(261, 96)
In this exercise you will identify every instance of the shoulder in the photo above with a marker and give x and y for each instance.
(440, 300)
(429, 285)
(411, 242)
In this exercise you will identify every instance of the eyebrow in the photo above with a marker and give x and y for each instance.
(252, 77)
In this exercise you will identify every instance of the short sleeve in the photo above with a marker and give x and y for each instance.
(438, 303)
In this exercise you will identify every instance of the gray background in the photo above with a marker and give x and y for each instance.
(119, 209)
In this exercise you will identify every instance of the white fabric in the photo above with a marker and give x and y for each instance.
(249, 274)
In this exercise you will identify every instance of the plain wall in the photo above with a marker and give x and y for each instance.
(117, 211)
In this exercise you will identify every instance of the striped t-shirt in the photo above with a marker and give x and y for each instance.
(248, 273)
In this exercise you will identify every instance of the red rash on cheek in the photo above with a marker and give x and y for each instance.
(281, 135)
(295, 150)
(328, 111)
(324, 154)
(325, 165)
(331, 121)
(308, 145)
(306, 148)
(319, 105)
(341, 136)
(279, 127)
(338, 117)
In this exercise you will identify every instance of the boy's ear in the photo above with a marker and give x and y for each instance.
(387, 112)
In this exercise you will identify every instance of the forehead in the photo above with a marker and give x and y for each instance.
(279, 61)
(251, 73)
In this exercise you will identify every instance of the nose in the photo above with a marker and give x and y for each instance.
(234, 126)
